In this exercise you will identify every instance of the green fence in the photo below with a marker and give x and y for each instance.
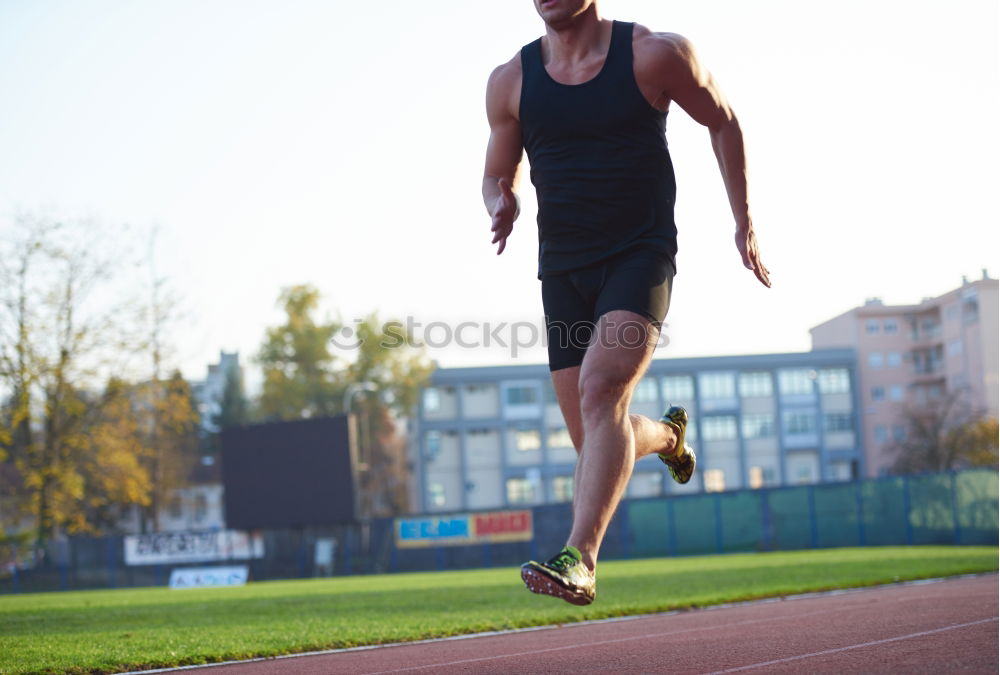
(947, 508)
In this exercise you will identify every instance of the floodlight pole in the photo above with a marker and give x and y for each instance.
(353, 389)
(365, 507)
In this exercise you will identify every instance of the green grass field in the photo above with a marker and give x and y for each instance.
(119, 630)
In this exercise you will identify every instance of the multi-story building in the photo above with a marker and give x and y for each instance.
(208, 393)
(494, 437)
(199, 505)
(909, 355)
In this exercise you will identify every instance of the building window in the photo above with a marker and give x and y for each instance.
(527, 439)
(930, 328)
(200, 508)
(560, 438)
(898, 432)
(875, 359)
(432, 400)
(800, 422)
(678, 388)
(896, 393)
(176, 508)
(562, 488)
(837, 422)
(435, 491)
(758, 426)
(717, 385)
(645, 391)
(761, 477)
(871, 326)
(526, 395)
(954, 348)
(715, 480)
(433, 443)
(646, 483)
(878, 393)
(881, 433)
(798, 381)
(970, 306)
(755, 384)
(520, 491)
(890, 327)
(839, 471)
(834, 381)
(804, 475)
(550, 394)
(894, 359)
(719, 428)
(928, 361)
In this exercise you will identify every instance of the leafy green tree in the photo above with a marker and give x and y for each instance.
(308, 366)
(297, 362)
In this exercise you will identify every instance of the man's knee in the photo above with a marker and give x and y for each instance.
(601, 392)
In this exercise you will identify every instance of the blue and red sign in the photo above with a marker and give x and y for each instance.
(463, 529)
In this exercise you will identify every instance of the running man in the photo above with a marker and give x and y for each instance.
(588, 102)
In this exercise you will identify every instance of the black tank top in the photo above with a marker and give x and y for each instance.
(599, 161)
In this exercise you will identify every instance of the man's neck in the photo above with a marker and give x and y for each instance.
(577, 39)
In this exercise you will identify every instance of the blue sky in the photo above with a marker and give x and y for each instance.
(341, 144)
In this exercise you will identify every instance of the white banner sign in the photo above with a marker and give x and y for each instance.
(185, 547)
(203, 577)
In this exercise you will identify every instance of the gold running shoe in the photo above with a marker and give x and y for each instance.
(681, 464)
(564, 576)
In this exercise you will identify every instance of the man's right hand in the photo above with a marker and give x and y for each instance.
(505, 210)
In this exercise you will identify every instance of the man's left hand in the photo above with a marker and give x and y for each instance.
(746, 242)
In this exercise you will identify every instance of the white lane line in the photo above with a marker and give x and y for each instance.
(763, 664)
(532, 652)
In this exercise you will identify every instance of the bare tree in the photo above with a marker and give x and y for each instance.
(945, 434)
(168, 408)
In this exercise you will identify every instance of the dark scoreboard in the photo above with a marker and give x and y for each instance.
(289, 474)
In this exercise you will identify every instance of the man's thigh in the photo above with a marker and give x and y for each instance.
(619, 354)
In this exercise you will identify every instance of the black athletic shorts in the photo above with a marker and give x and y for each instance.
(637, 280)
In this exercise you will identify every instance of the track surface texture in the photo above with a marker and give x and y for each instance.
(945, 626)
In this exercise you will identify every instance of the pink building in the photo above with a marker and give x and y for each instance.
(910, 354)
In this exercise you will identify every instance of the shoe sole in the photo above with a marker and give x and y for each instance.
(543, 585)
(694, 465)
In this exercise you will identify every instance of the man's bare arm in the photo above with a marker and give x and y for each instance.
(503, 153)
(683, 79)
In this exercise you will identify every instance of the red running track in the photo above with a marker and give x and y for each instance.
(936, 627)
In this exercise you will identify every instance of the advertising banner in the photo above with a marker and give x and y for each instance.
(463, 529)
(205, 577)
(188, 547)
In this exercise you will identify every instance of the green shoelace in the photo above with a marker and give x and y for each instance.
(564, 560)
